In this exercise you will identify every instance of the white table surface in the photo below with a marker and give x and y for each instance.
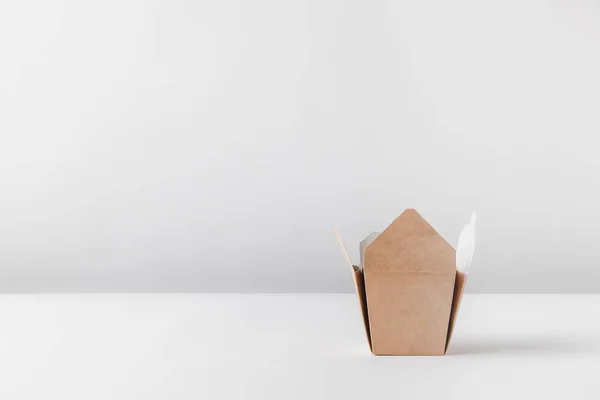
(195, 346)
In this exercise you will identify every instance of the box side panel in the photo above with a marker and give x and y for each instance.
(408, 312)
(410, 244)
(359, 284)
(459, 287)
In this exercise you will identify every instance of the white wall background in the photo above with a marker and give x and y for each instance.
(211, 146)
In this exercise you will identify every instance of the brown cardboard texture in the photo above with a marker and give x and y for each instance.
(359, 286)
(409, 290)
(459, 287)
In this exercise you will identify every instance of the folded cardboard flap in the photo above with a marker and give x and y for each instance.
(359, 286)
(459, 287)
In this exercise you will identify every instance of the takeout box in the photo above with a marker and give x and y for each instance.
(408, 287)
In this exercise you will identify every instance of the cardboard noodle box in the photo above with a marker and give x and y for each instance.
(408, 288)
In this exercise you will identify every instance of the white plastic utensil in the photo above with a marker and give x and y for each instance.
(466, 247)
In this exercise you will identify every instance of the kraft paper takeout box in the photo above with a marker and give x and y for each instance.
(408, 288)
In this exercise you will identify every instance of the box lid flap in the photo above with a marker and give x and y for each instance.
(410, 244)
